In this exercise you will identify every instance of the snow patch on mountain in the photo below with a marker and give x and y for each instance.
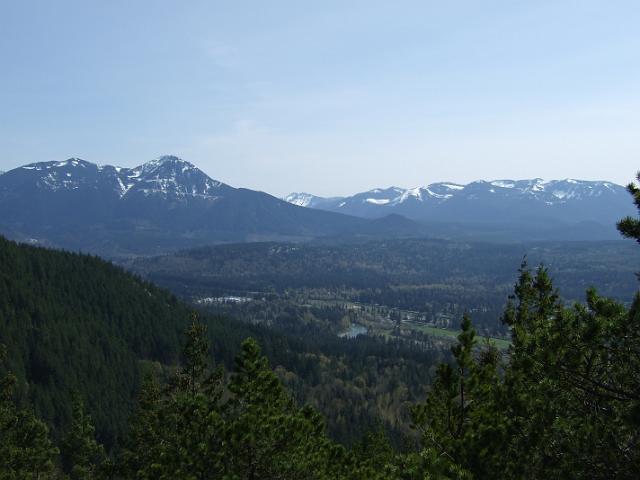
(378, 201)
(414, 193)
(452, 186)
(503, 183)
(438, 195)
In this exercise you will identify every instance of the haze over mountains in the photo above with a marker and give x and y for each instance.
(168, 204)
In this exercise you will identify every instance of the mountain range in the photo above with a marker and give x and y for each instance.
(534, 200)
(168, 204)
(162, 205)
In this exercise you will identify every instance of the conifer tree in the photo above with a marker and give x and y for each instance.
(268, 437)
(141, 448)
(629, 226)
(81, 453)
(444, 419)
(176, 431)
(25, 448)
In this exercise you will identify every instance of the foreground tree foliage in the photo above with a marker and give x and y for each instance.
(81, 454)
(566, 398)
(629, 226)
(25, 448)
(202, 425)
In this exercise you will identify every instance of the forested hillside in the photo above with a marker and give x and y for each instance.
(77, 325)
(74, 323)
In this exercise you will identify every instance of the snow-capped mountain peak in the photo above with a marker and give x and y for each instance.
(70, 162)
(300, 199)
(70, 174)
(167, 175)
(167, 163)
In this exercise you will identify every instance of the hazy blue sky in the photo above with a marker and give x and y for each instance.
(326, 97)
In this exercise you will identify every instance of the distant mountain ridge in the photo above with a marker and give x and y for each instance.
(169, 204)
(158, 206)
(566, 200)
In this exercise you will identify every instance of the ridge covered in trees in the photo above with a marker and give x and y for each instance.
(77, 326)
